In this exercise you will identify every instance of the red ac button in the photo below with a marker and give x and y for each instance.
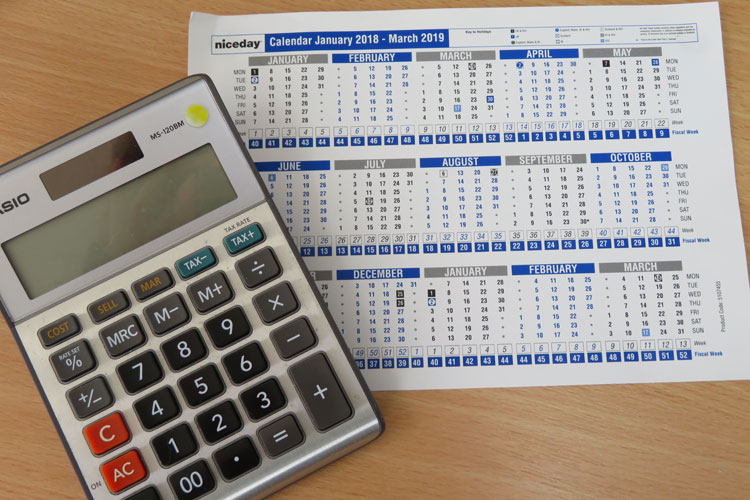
(123, 471)
(107, 433)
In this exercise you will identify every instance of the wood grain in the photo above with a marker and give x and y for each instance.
(64, 64)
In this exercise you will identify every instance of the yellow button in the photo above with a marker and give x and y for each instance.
(196, 115)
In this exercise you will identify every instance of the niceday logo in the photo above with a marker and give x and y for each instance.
(236, 44)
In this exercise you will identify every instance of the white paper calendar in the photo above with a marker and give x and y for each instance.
(502, 197)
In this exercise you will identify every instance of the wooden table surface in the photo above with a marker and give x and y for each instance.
(63, 64)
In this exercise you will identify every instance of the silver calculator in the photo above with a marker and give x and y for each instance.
(176, 336)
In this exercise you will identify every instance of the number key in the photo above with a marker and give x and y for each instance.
(184, 350)
(228, 327)
(175, 445)
(140, 372)
(263, 399)
(157, 408)
(219, 422)
(192, 482)
(201, 386)
(245, 363)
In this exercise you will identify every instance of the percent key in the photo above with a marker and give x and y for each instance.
(73, 361)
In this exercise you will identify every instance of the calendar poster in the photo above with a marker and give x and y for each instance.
(502, 197)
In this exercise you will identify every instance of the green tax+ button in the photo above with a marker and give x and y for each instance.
(241, 240)
(196, 262)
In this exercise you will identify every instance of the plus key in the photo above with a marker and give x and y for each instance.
(320, 391)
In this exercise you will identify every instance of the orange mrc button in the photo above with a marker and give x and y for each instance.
(123, 471)
(106, 434)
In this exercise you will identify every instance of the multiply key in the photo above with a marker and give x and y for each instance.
(276, 302)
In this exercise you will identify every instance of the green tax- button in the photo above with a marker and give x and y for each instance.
(239, 241)
(195, 263)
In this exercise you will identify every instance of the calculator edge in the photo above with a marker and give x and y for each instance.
(50, 411)
(305, 271)
(43, 149)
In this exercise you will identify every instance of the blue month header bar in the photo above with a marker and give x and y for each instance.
(371, 57)
(386, 273)
(292, 166)
(633, 156)
(460, 161)
(356, 40)
(539, 54)
(544, 269)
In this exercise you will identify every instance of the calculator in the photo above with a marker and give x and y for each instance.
(177, 338)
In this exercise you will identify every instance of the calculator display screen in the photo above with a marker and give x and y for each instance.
(119, 221)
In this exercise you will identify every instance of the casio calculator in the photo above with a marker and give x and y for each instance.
(176, 336)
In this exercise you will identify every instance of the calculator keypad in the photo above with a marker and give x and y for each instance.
(210, 292)
(193, 481)
(259, 268)
(157, 408)
(107, 434)
(73, 361)
(201, 386)
(293, 338)
(245, 363)
(228, 327)
(90, 398)
(184, 350)
(122, 336)
(124, 471)
(237, 458)
(196, 413)
(281, 436)
(276, 303)
(174, 445)
(219, 422)
(167, 314)
(140, 372)
(147, 494)
(263, 399)
(153, 284)
(62, 329)
(320, 391)
(108, 306)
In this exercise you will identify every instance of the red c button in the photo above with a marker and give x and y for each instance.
(107, 434)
